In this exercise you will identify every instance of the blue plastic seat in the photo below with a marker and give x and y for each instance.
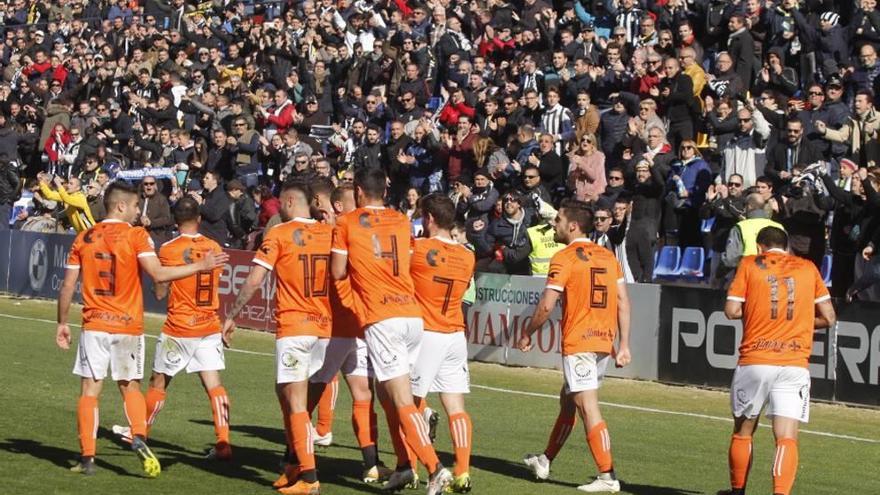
(434, 103)
(692, 262)
(826, 270)
(706, 225)
(667, 262)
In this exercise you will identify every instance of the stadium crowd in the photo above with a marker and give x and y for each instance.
(676, 119)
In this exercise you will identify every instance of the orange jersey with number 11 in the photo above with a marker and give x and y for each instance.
(192, 301)
(107, 257)
(441, 271)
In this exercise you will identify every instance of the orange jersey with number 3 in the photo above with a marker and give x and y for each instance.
(377, 243)
(441, 271)
(192, 301)
(779, 293)
(299, 252)
(587, 275)
(107, 257)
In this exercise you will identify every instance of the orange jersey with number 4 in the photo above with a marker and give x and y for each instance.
(377, 243)
(587, 275)
(441, 271)
(299, 252)
(107, 257)
(192, 301)
(779, 293)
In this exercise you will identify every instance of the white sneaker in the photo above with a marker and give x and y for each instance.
(601, 485)
(539, 464)
(322, 441)
(438, 483)
(123, 432)
(431, 419)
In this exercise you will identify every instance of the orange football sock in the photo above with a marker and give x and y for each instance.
(422, 404)
(301, 440)
(136, 411)
(220, 411)
(415, 432)
(461, 429)
(87, 424)
(155, 399)
(360, 420)
(740, 460)
(600, 446)
(785, 466)
(326, 407)
(405, 456)
(565, 422)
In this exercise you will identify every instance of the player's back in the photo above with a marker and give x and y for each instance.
(779, 292)
(441, 272)
(299, 252)
(587, 274)
(347, 310)
(192, 301)
(107, 255)
(377, 242)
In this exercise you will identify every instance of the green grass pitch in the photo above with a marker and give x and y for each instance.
(656, 453)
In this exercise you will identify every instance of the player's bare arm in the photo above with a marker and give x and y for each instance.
(542, 312)
(160, 290)
(339, 265)
(624, 357)
(733, 310)
(827, 317)
(159, 273)
(252, 283)
(65, 297)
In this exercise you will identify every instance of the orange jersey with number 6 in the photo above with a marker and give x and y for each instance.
(377, 243)
(107, 257)
(779, 292)
(441, 271)
(587, 275)
(299, 252)
(192, 301)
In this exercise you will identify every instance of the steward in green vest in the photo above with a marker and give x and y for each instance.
(743, 236)
(543, 247)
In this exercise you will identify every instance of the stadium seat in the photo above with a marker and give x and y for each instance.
(706, 225)
(826, 270)
(667, 262)
(692, 262)
(434, 103)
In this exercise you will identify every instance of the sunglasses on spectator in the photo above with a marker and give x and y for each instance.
(687, 147)
(240, 124)
(530, 176)
(348, 179)
(601, 219)
(746, 120)
(615, 177)
(734, 184)
(816, 93)
(149, 183)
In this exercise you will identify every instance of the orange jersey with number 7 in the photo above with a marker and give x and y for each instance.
(299, 252)
(107, 257)
(192, 301)
(587, 275)
(377, 243)
(441, 271)
(779, 292)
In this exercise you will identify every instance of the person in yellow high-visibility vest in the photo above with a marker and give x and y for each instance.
(543, 245)
(742, 240)
(75, 202)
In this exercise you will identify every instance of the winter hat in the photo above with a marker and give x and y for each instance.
(847, 163)
(830, 17)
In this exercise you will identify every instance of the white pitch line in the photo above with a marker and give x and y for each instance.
(537, 394)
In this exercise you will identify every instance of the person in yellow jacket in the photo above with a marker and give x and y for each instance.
(69, 192)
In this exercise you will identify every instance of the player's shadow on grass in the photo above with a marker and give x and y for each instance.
(654, 490)
(510, 469)
(62, 458)
(267, 433)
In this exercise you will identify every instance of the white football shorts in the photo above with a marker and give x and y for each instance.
(442, 365)
(784, 389)
(346, 354)
(393, 346)
(298, 358)
(194, 354)
(123, 353)
(584, 371)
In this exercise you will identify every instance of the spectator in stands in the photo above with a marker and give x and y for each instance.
(688, 182)
(741, 241)
(793, 152)
(647, 194)
(849, 198)
(242, 214)
(859, 134)
(726, 204)
(155, 211)
(745, 153)
(68, 193)
(9, 190)
(95, 197)
(532, 191)
(214, 208)
(475, 198)
(502, 244)
(588, 159)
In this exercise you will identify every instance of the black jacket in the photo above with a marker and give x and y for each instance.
(511, 238)
(777, 161)
(215, 215)
(9, 184)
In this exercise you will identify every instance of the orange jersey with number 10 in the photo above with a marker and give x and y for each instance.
(587, 275)
(779, 293)
(441, 271)
(107, 257)
(377, 243)
(299, 252)
(192, 301)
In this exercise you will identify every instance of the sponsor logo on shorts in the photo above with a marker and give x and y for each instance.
(289, 360)
(582, 370)
(741, 397)
(387, 358)
(173, 357)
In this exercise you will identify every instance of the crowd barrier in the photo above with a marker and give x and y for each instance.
(679, 334)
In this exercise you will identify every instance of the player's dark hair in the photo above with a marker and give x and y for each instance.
(371, 181)
(772, 237)
(185, 210)
(296, 184)
(340, 191)
(321, 185)
(441, 209)
(116, 192)
(580, 213)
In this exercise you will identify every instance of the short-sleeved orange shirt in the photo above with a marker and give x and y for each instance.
(299, 252)
(107, 257)
(192, 301)
(441, 271)
(587, 275)
(347, 310)
(779, 293)
(377, 243)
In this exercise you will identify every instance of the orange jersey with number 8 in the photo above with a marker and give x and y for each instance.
(587, 275)
(192, 301)
(441, 271)
(107, 257)
(299, 252)
(779, 293)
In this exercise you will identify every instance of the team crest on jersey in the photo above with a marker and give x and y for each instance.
(265, 249)
(289, 360)
(187, 256)
(431, 257)
(299, 237)
(90, 236)
(581, 254)
(364, 220)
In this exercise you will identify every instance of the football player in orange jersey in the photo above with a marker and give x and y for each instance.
(595, 311)
(298, 250)
(441, 271)
(371, 247)
(777, 295)
(110, 257)
(191, 338)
